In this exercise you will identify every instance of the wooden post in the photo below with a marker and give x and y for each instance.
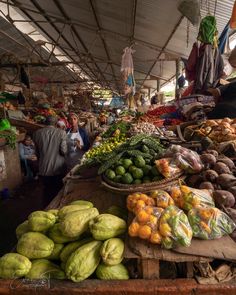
(150, 269)
(158, 85)
(178, 72)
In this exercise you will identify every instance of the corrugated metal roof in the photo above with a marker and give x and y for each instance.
(93, 33)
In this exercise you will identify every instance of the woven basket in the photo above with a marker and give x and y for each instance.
(145, 187)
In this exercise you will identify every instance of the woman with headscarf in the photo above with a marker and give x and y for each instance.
(77, 140)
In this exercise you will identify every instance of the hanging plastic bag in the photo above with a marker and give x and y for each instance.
(210, 223)
(188, 198)
(232, 22)
(191, 10)
(175, 228)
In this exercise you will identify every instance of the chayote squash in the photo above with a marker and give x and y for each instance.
(83, 262)
(114, 272)
(22, 229)
(41, 221)
(106, 226)
(77, 222)
(54, 212)
(56, 252)
(71, 247)
(56, 235)
(112, 251)
(118, 211)
(71, 208)
(35, 245)
(14, 265)
(45, 269)
(82, 202)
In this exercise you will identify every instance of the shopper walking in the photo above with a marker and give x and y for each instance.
(51, 149)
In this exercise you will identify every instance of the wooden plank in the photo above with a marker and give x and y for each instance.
(190, 272)
(150, 269)
(129, 287)
(224, 248)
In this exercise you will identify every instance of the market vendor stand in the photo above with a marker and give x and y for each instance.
(91, 190)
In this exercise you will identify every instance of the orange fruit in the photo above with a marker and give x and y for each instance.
(149, 210)
(139, 205)
(144, 232)
(155, 238)
(143, 216)
(143, 197)
(153, 219)
(133, 229)
(165, 229)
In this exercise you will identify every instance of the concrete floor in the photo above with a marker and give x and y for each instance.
(15, 210)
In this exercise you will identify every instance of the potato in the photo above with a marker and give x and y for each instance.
(226, 181)
(233, 190)
(206, 185)
(210, 175)
(221, 168)
(224, 198)
(208, 160)
(227, 161)
(212, 152)
(232, 213)
(194, 180)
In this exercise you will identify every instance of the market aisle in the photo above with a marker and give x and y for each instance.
(15, 210)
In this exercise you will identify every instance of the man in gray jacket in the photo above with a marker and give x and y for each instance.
(51, 149)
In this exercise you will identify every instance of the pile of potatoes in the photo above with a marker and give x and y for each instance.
(218, 176)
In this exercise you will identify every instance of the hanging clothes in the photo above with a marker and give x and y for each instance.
(205, 67)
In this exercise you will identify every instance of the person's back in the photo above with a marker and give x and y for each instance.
(51, 148)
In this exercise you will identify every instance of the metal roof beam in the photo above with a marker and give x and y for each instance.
(50, 38)
(59, 6)
(108, 33)
(133, 20)
(102, 39)
(165, 45)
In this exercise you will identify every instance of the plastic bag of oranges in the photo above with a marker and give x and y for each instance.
(137, 201)
(188, 198)
(210, 223)
(162, 199)
(145, 224)
(175, 228)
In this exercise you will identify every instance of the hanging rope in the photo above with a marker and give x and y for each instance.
(188, 31)
(215, 7)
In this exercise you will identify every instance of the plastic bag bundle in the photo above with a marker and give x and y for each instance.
(175, 228)
(162, 198)
(185, 159)
(188, 198)
(191, 10)
(210, 223)
(167, 167)
(145, 224)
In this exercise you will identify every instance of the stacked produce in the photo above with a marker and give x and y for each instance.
(147, 128)
(99, 153)
(133, 161)
(119, 128)
(72, 242)
(217, 176)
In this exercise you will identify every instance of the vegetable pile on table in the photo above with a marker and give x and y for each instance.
(133, 161)
(72, 242)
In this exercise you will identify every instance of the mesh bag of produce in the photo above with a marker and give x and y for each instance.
(167, 167)
(162, 198)
(145, 224)
(210, 223)
(174, 228)
(188, 198)
(138, 201)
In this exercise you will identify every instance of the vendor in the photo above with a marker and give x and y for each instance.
(225, 97)
(77, 141)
